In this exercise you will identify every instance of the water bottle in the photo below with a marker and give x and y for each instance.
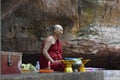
(37, 65)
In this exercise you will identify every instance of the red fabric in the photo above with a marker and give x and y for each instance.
(55, 51)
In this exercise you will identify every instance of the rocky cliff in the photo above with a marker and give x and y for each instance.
(29, 18)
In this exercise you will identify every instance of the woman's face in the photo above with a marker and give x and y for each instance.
(59, 30)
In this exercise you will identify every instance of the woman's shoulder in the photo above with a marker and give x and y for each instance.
(49, 38)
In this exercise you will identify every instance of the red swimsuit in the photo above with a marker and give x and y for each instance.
(55, 51)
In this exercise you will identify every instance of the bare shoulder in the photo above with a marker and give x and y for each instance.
(49, 38)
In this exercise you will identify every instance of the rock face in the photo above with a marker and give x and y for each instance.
(26, 22)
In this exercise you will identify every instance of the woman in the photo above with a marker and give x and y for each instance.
(52, 50)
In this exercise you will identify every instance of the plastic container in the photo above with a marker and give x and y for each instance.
(37, 65)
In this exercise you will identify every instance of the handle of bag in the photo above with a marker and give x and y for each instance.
(9, 59)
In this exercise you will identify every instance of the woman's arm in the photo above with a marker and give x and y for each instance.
(47, 45)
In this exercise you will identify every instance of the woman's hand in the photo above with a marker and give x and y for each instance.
(56, 61)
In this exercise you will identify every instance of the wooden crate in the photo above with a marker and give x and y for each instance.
(10, 62)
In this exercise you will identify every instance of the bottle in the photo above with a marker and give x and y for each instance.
(37, 65)
(49, 65)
